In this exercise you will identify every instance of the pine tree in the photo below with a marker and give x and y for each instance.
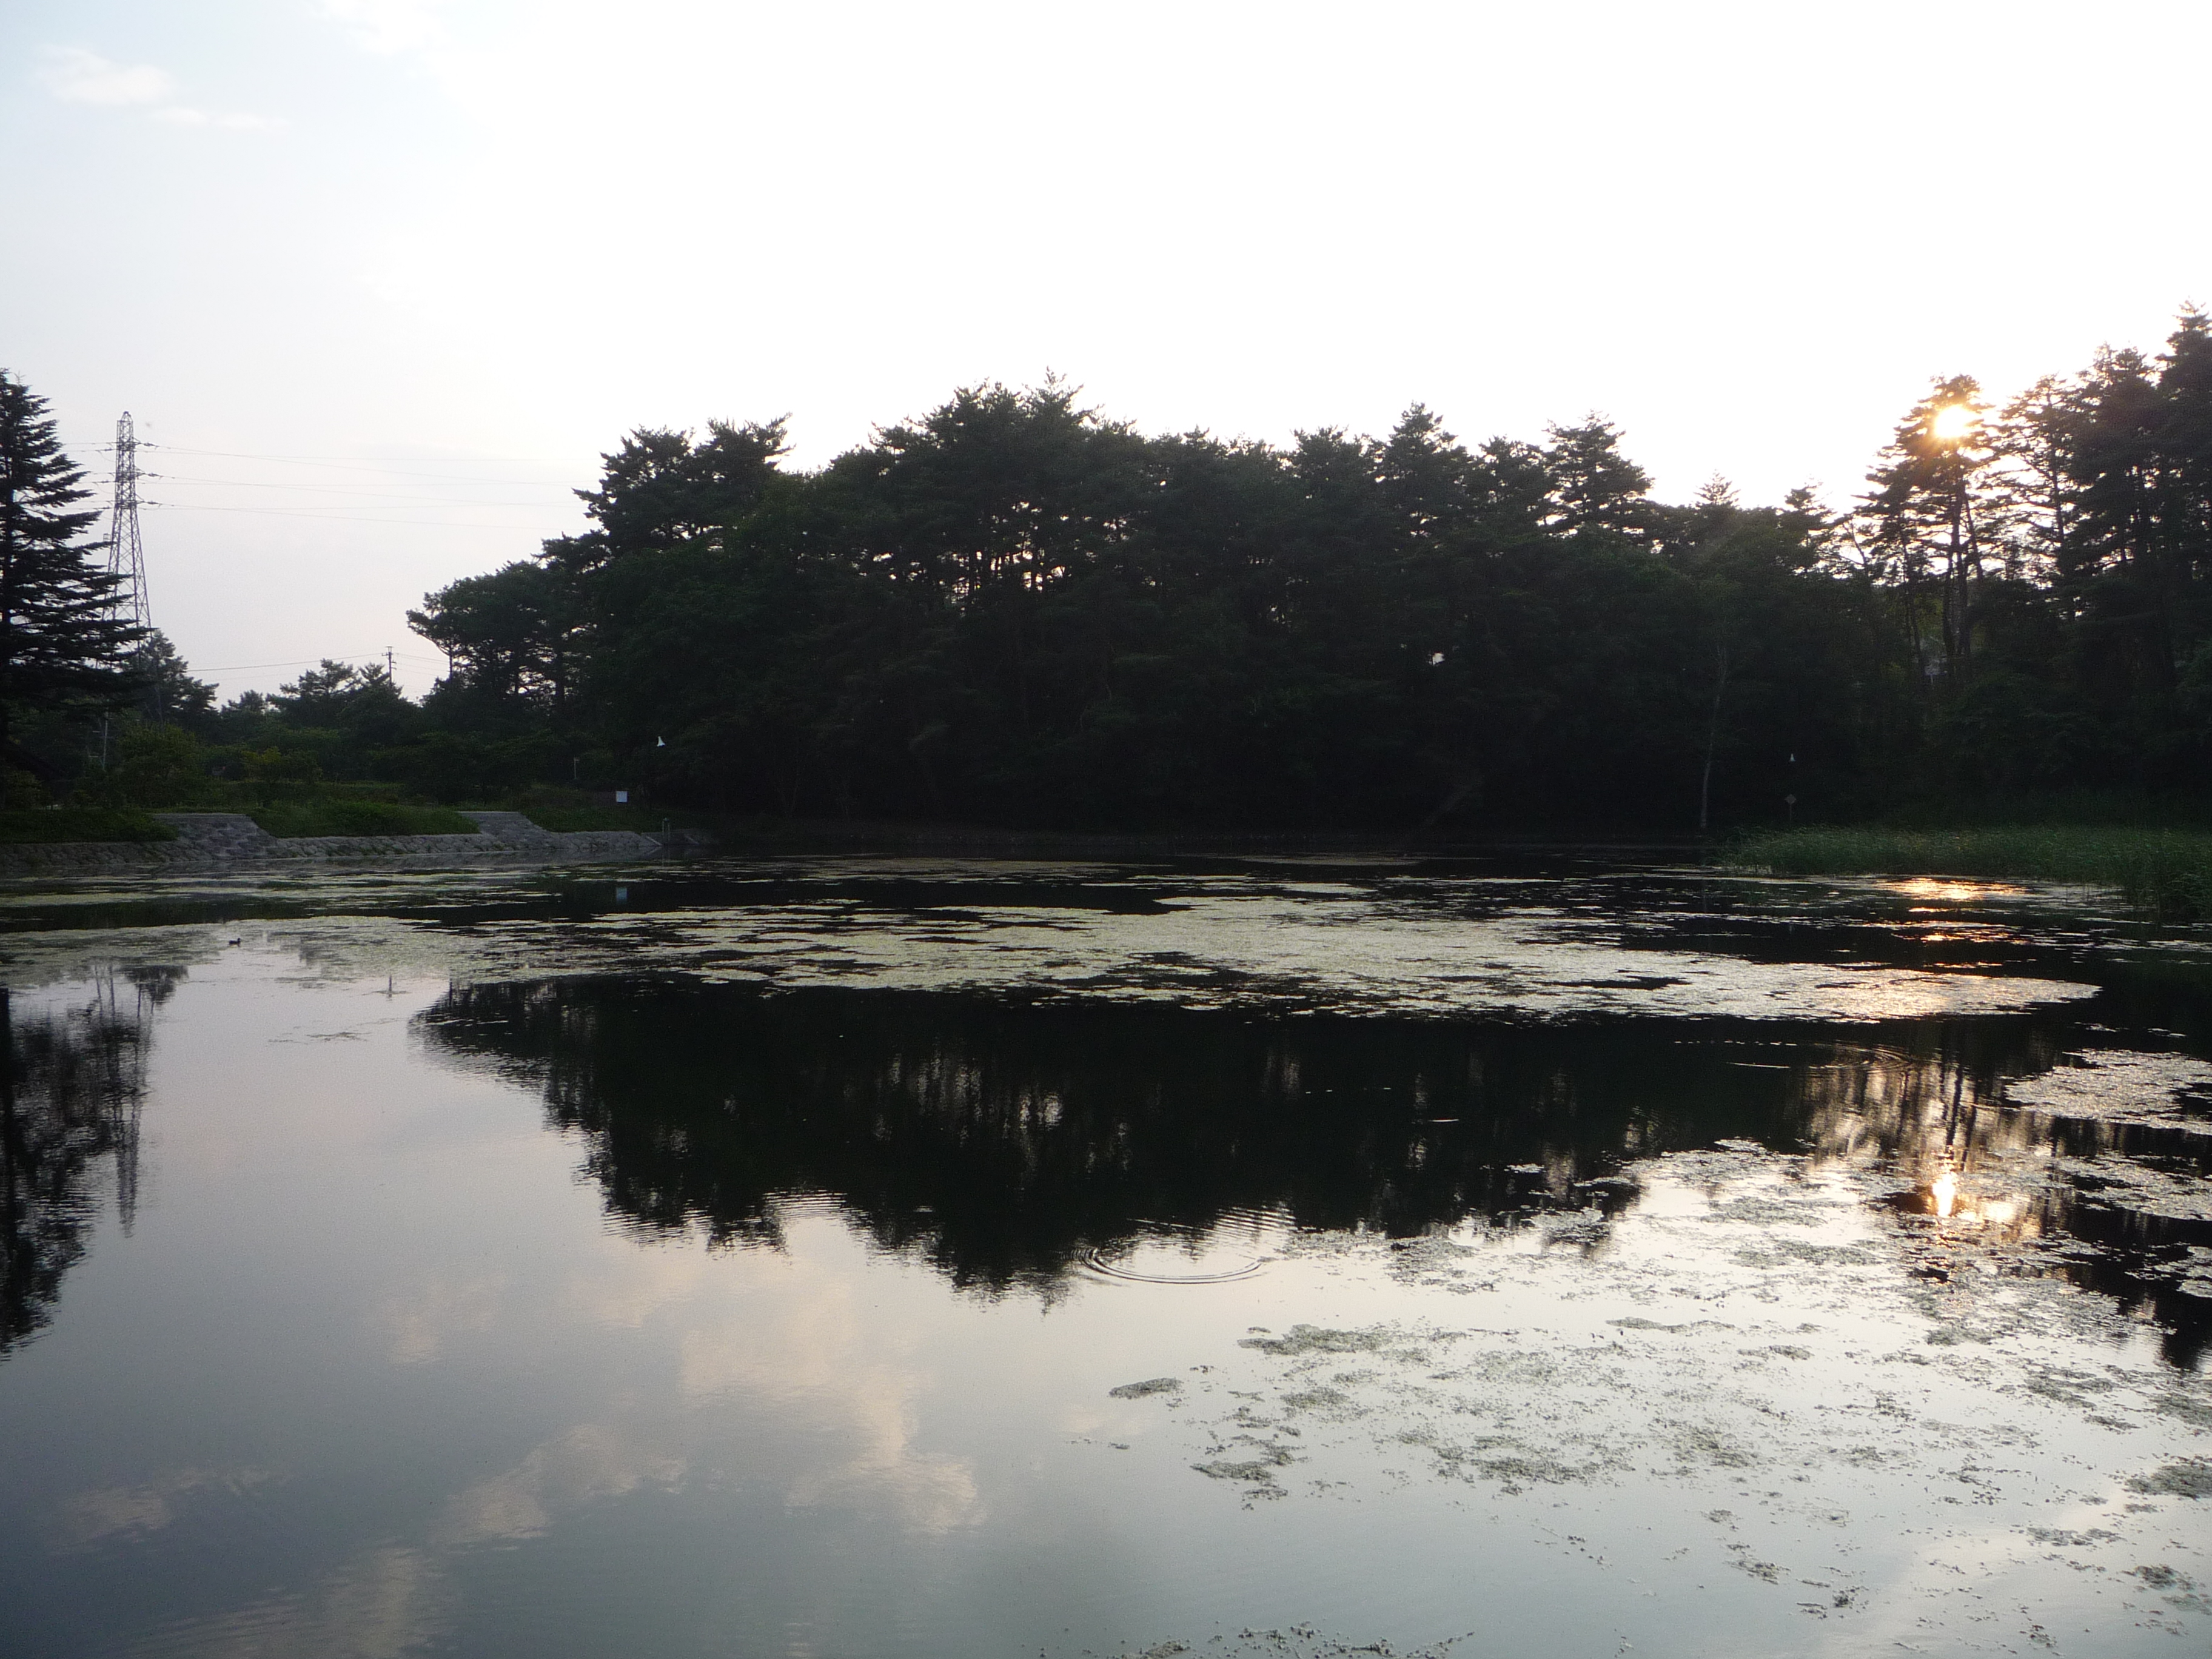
(60, 640)
(1594, 487)
(1926, 509)
(2033, 439)
(167, 690)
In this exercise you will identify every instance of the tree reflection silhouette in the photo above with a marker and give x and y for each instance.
(1004, 1141)
(72, 1088)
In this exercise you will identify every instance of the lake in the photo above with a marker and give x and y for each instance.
(1290, 1257)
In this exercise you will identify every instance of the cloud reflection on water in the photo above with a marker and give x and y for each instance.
(1533, 1279)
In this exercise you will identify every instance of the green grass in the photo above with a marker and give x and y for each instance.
(2167, 873)
(81, 823)
(359, 817)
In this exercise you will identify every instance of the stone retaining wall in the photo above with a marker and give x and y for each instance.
(208, 841)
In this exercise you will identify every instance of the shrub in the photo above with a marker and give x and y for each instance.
(20, 790)
(449, 767)
(153, 766)
(274, 772)
(61, 824)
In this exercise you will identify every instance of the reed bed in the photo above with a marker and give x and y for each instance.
(2164, 873)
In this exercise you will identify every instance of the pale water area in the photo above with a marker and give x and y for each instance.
(854, 1257)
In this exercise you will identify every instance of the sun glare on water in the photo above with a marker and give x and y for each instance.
(1938, 888)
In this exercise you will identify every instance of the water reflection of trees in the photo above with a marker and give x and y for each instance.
(1945, 1119)
(1006, 1140)
(2119, 1180)
(72, 1088)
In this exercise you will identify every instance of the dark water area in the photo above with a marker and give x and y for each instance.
(875, 1257)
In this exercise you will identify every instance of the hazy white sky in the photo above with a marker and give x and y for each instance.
(438, 256)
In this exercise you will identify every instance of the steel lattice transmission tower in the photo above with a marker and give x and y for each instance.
(126, 551)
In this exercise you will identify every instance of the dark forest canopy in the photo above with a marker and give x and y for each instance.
(1015, 609)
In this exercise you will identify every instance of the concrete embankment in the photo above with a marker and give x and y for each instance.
(208, 841)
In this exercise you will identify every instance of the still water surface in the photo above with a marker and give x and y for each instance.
(870, 1257)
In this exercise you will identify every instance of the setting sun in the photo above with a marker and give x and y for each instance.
(1952, 422)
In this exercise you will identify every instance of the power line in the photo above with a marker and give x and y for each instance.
(307, 662)
(356, 464)
(351, 518)
(312, 490)
(382, 472)
(363, 464)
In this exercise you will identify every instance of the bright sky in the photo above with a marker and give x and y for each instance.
(438, 256)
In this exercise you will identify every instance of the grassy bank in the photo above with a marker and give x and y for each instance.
(2167, 873)
(361, 817)
(81, 823)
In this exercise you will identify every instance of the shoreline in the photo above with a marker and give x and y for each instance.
(208, 841)
(215, 841)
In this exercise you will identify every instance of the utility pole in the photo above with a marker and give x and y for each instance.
(391, 671)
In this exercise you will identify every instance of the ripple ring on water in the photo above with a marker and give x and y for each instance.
(1098, 1263)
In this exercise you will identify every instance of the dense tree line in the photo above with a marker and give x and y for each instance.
(1015, 609)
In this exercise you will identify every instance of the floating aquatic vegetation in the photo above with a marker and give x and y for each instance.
(1278, 1239)
(1145, 1389)
(2190, 1478)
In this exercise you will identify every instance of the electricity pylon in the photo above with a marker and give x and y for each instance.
(126, 552)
